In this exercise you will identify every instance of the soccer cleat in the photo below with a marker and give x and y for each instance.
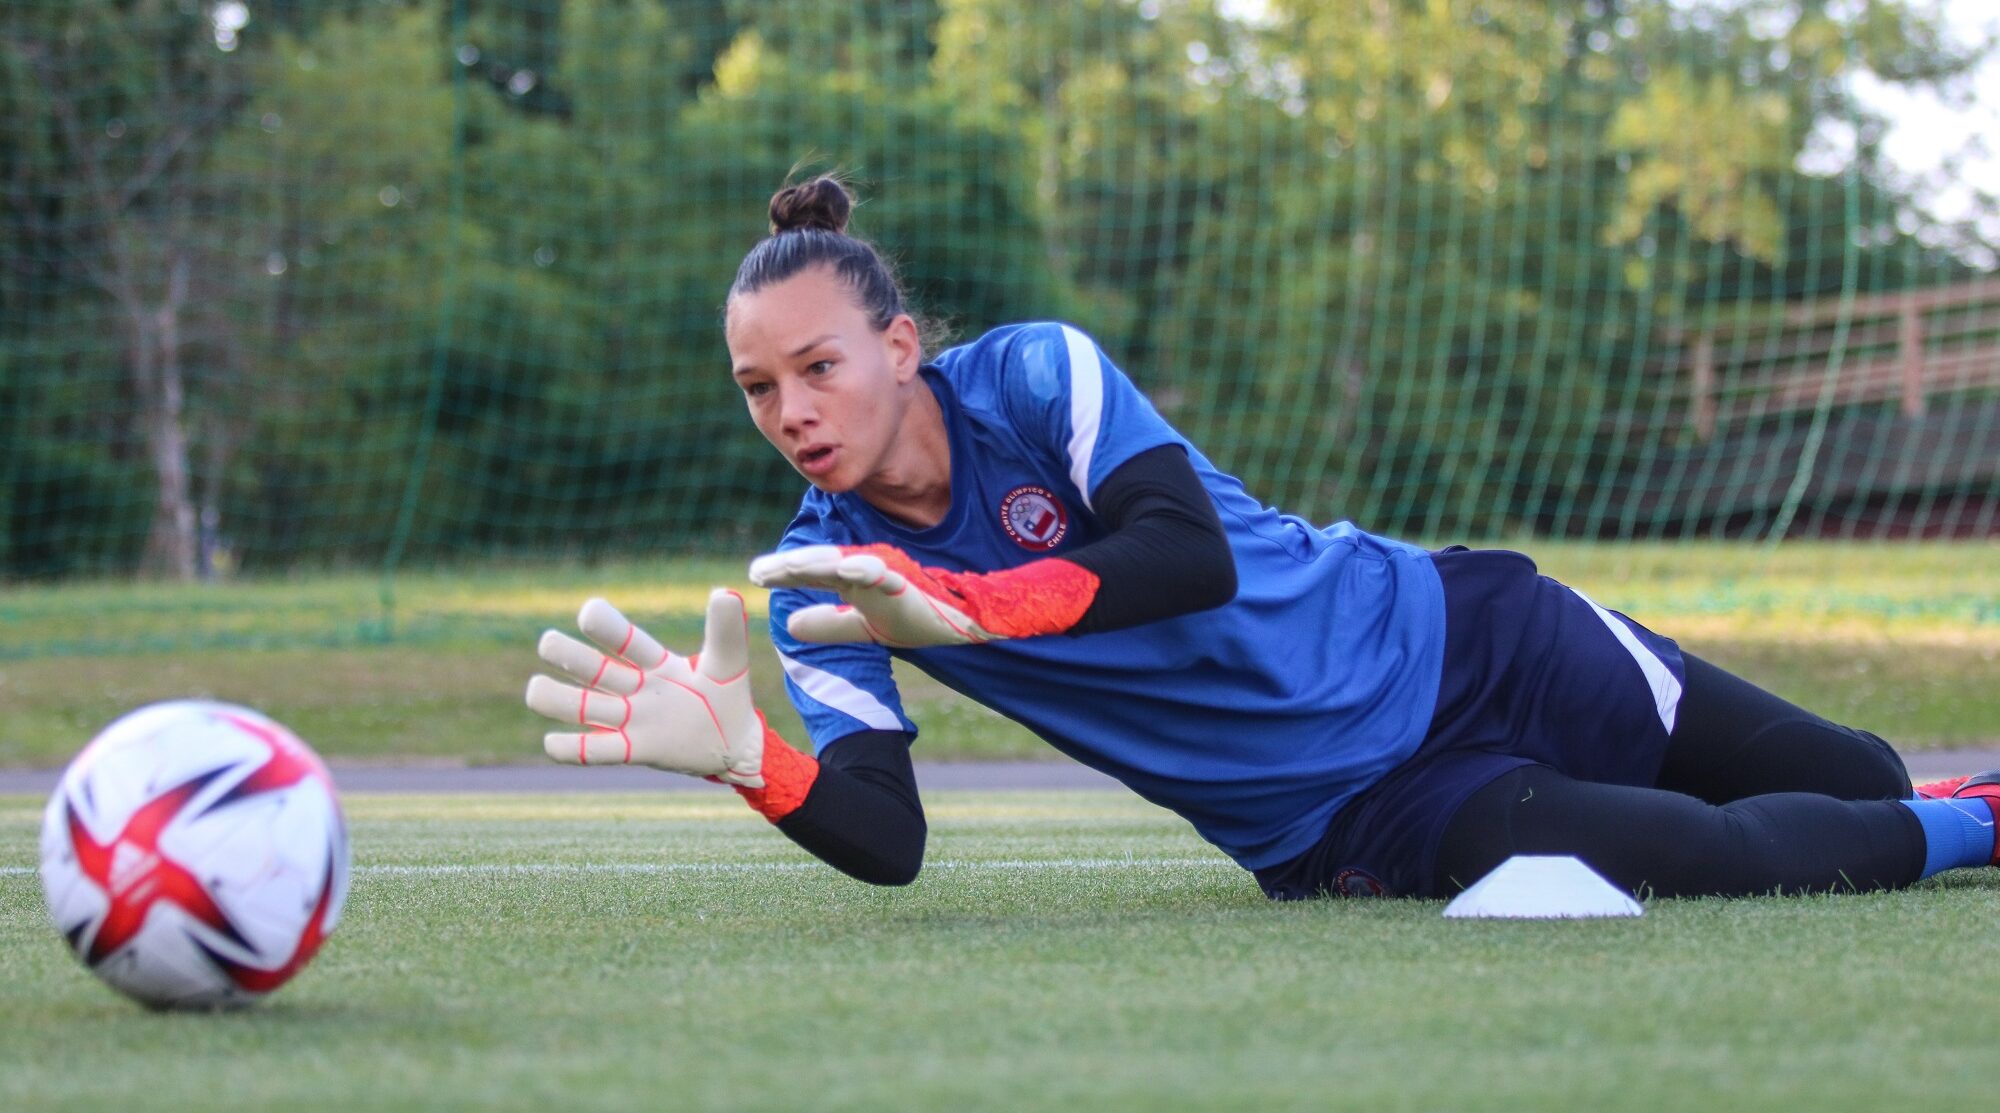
(1985, 786)
(1938, 790)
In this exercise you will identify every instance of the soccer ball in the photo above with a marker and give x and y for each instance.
(194, 855)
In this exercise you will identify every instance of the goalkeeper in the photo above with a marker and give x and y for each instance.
(1338, 712)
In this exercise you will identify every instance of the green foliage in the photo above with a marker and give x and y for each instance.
(346, 160)
(449, 271)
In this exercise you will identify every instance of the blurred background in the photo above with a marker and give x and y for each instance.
(317, 315)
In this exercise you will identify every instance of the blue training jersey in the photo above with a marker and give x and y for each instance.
(1255, 721)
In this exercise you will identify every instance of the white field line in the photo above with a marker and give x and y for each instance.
(561, 868)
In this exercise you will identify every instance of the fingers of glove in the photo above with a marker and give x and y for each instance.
(569, 704)
(806, 566)
(587, 666)
(609, 628)
(868, 571)
(825, 622)
(725, 642)
(603, 747)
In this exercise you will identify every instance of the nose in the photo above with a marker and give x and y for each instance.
(796, 412)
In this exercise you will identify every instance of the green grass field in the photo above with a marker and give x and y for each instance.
(1900, 639)
(1069, 951)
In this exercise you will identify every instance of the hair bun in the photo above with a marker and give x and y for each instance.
(821, 203)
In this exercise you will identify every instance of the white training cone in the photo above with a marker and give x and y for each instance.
(1537, 887)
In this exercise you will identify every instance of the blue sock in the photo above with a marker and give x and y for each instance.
(1957, 832)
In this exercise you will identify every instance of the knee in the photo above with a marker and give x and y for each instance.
(1863, 767)
(1891, 779)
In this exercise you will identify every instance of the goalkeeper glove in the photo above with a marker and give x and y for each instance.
(891, 600)
(641, 705)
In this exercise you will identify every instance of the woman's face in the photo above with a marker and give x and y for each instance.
(823, 385)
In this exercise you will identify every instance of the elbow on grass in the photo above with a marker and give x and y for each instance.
(898, 877)
(890, 866)
(890, 873)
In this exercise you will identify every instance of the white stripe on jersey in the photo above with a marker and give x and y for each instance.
(840, 694)
(1660, 678)
(1086, 406)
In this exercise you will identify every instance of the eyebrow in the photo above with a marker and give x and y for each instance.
(794, 354)
(813, 343)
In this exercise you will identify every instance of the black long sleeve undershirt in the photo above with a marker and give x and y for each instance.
(862, 816)
(1165, 555)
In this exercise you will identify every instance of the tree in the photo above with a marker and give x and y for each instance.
(346, 247)
(122, 103)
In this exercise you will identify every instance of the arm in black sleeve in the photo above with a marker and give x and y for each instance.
(1166, 555)
(862, 815)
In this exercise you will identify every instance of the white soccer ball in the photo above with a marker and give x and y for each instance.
(195, 855)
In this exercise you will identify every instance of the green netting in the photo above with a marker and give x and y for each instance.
(373, 285)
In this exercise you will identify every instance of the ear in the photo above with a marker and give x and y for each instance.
(906, 349)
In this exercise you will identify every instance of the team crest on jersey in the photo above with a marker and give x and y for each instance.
(1034, 517)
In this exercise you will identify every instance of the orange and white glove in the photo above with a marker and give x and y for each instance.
(890, 599)
(641, 705)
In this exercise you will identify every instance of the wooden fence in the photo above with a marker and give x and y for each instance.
(1910, 345)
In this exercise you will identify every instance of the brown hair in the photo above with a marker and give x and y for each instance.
(809, 229)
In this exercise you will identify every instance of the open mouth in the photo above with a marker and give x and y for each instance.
(817, 459)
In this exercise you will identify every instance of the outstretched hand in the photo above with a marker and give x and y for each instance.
(888, 598)
(639, 704)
